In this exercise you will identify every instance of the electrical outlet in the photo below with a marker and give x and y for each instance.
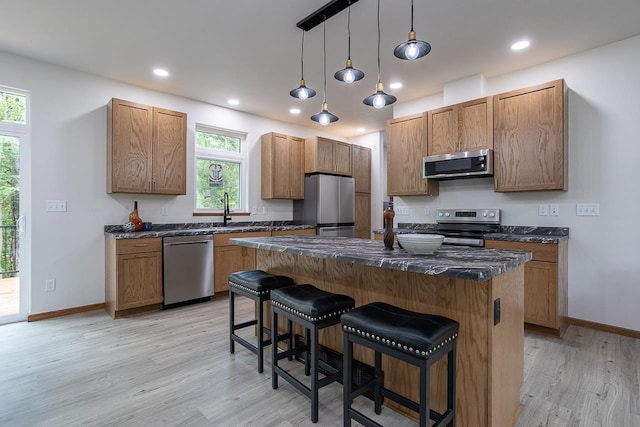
(588, 209)
(402, 210)
(50, 285)
(543, 210)
(56, 206)
(164, 211)
(554, 210)
(426, 211)
(254, 210)
(265, 210)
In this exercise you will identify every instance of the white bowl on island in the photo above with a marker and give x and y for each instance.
(420, 244)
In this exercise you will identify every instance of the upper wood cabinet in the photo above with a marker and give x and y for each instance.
(531, 138)
(406, 146)
(362, 168)
(146, 149)
(327, 156)
(282, 167)
(462, 127)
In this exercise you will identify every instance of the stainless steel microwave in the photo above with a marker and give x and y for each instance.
(467, 164)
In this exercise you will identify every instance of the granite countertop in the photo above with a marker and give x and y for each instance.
(448, 261)
(510, 233)
(194, 229)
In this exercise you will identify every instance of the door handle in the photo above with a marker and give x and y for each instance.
(20, 224)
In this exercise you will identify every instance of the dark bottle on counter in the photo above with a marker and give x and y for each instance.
(388, 229)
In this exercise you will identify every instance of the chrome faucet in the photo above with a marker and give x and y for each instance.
(225, 213)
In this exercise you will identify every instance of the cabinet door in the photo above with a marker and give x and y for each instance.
(229, 259)
(129, 152)
(363, 216)
(476, 125)
(169, 152)
(362, 169)
(530, 141)
(324, 155)
(296, 168)
(342, 153)
(541, 294)
(139, 280)
(281, 158)
(443, 130)
(406, 146)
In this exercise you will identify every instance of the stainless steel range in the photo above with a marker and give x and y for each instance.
(467, 227)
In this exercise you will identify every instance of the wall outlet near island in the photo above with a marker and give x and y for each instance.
(554, 210)
(265, 210)
(254, 210)
(50, 285)
(164, 211)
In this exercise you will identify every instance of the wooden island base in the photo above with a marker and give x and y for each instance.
(490, 358)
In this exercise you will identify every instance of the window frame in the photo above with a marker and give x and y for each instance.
(18, 127)
(225, 156)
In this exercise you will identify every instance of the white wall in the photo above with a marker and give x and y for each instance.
(604, 146)
(68, 161)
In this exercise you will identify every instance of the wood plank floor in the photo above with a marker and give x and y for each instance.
(174, 368)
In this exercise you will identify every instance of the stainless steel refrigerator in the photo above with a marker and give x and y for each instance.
(329, 204)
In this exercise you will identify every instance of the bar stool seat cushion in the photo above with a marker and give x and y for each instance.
(258, 282)
(311, 303)
(413, 333)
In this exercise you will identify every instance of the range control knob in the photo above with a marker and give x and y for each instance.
(447, 214)
(492, 214)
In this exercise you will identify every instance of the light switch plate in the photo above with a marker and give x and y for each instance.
(56, 206)
(543, 210)
(587, 209)
(164, 211)
(426, 211)
(402, 210)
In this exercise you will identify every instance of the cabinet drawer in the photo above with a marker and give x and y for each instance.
(541, 251)
(223, 238)
(134, 246)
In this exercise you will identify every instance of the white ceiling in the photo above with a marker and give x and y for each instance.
(250, 49)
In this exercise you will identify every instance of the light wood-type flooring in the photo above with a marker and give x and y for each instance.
(173, 368)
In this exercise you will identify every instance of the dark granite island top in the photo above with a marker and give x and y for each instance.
(448, 261)
(482, 289)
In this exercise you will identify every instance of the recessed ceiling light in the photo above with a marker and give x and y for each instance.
(395, 85)
(522, 44)
(294, 111)
(233, 102)
(160, 72)
(360, 130)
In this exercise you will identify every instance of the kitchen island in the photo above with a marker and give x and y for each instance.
(482, 289)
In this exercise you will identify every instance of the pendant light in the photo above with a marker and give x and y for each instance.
(349, 74)
(302, 92)
(379, 99)
(324, 117)
(412, 48)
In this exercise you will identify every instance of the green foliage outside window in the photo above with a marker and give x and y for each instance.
(13, 108)
(9, 203)
(216, 173)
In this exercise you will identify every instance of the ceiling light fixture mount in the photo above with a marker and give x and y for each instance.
(379, 99)
(325, 12)
(349, 74)
(302, 92)
(324, 117)
(412, 48)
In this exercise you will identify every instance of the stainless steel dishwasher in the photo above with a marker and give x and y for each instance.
(188, 270)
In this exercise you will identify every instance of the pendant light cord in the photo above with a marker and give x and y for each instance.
(302, 58)
(324, 50)
(349, 31)
(378, 41)
(411, 15)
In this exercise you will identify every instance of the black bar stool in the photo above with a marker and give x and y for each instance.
(257, 286)
(416, 338)
(314, 309)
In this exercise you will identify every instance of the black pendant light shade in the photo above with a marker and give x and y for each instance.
(324, 117)
(412, 48)
(302, 92)
(379, 99)
(349, 74)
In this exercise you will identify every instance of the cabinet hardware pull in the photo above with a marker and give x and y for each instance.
(141, 245)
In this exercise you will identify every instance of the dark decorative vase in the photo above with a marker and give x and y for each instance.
(134, 218)
(388, 229)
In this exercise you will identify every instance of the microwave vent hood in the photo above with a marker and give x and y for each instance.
(467, 164)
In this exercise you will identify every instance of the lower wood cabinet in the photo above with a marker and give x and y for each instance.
(228, 258)
(133, 275)
(545, 284)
